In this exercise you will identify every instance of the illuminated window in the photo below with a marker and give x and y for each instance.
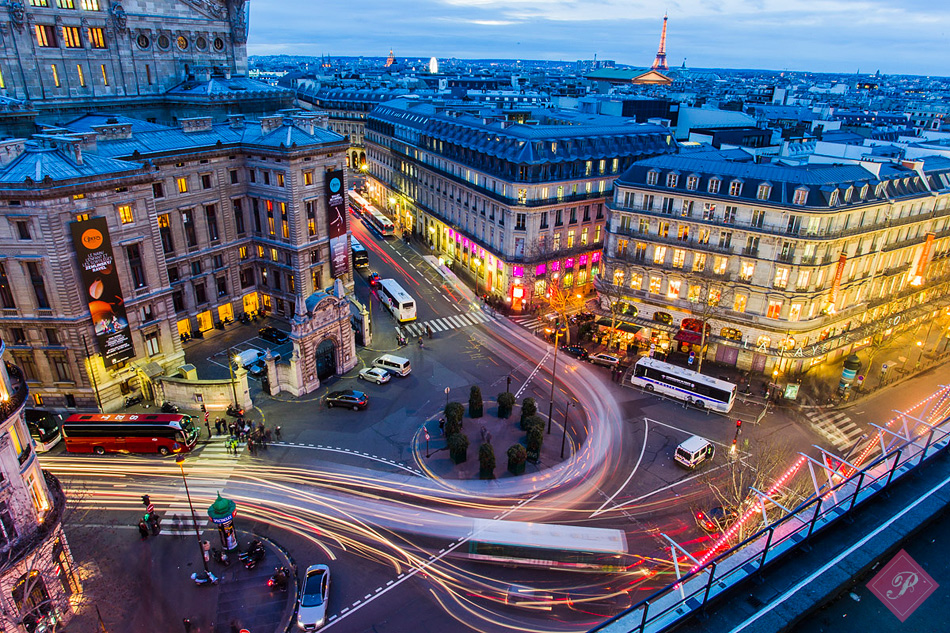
(71, 37)
(182, 184)
(775, 309)
(105, 76)
(801, 196)
(739, 303)
(273, 254)
(570, 238)
(280, 179)
(694, 293)
(692, 183)
(655, 284)
(781, 277)
(125, 213)
(746, 270)
(90, 5)
(82, 77)
(720, 265)
(65, 4)
(242, 252)
(618, 277)
(679, 257)
(673, 292)
(652, 177)
(699, 262)
(584, 237)
(55, 75)
(795, 312)
(308, 177)
(636, 281)
(2, 84)
(671, 180)
(659, 254)
(97, 38)
(764, 192)
(803, 278)
(735, 188)
(38, 495)
(39, 3)
(714, 185)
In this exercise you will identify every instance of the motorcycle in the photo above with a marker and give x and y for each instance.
(235, 412)
(220, 557)
(168, 407)
(278, 579)
(133, 400)
(253, 557)
(204, 578)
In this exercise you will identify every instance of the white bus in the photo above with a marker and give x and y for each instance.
(357, 202)
(397, 300)
(566, 547)
(378, 221)
(684, 384)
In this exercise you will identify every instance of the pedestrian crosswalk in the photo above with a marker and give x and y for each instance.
(445, 324)
(533, 323)
(208, 471)
(836, 427)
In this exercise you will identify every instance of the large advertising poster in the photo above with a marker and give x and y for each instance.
(101, 290)
(336, 223)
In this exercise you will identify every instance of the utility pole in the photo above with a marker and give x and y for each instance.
(92, 372)
(557, 332)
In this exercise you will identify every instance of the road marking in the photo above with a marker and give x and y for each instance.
(349, 452)
(643, 448)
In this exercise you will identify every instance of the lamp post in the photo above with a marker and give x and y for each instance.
(232, 359)
(508, 384)
(447, 390)
(920, 353)
(557, 332)
(180, 460)
(567, 409)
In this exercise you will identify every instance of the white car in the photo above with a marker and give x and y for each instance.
(312, 607)
(604, 359)
(375, 374)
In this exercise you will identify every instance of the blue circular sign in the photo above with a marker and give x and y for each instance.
(335, 184)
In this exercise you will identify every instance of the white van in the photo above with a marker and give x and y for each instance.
(247, 358)
(393, 364)
(694, 452)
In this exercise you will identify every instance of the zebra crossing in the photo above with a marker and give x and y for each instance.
(445, 324)
(207, 473)
(836, 427)
(532, 323)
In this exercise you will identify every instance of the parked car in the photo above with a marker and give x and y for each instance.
(257, 369)
(312, 605)
(607, 360)
(373, 280)
(576, 351)
(273, 335)
(375, 374)
(347, 398)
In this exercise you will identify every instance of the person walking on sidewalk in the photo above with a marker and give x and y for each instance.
(277, 432)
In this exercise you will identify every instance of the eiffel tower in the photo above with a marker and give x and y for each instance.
(660, 62)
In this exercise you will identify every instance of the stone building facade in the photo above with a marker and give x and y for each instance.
(514, 199)
(207, 221)
(788, 266)
(38, 582)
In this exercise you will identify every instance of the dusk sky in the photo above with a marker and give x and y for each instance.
(894, 36)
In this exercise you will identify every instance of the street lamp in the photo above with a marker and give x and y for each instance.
(180, 460)
(567, 409)
(233, 359)
(557, 333)
(920, 353)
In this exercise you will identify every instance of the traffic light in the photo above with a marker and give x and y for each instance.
(146, 501)
(738, 424)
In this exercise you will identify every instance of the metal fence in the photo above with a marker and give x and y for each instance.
(698, 588)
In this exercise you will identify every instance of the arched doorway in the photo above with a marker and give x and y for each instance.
(326, 359)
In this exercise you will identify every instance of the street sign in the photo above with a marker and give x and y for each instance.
(149, 509)
(791, 391)
(427, 435)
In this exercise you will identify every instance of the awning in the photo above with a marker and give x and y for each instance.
(689, 336)
(623, 326)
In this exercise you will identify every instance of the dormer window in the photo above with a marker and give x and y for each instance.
(671, 180)
(833, 200)
(764, 192)
(714, 184)
(652, 177)
(735, 188)
(847, 194)
(801, 196)
(864, 192)
(692, 183)
(879, 190)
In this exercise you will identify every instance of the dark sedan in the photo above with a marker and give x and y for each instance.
(347, 398)
(273, 335)
(576, 351)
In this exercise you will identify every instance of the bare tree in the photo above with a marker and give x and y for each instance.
(708, 296)
(613, 296)
(563, 302)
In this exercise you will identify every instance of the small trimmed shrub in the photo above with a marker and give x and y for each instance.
(535, 439)
(506, 404)
(454, 412)
(458, 447)
(535, 421)
(475, 404)
(486, 461)
(528, 408)
(517, 456)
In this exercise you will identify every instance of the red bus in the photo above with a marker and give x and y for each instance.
(129, 433)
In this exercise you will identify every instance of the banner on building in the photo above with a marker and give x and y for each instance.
(336, 222)
(101, 289)
(836, 282)
(924, 257)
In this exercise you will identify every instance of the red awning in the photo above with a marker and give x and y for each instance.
(689, 336)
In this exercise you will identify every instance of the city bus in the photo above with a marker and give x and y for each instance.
(357, 202)
(684, 384)
(360, 256)
(564, 547)
(392, 295)
(44, 428)
(130, 433)
(379, 222)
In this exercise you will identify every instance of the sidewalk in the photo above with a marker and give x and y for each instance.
(145, 585)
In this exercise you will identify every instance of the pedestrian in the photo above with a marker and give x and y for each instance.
(187, 624)
(277, 432)
(250, 446)
(143, 530)
(217, 426)
(442, 425)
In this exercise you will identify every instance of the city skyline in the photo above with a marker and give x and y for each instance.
(845, 36)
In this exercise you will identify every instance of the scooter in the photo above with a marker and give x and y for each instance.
(278, 579)
(235, 412)
(132, 400)
(253, 557)
(204, 578)
(220, 557)
(168, 407)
